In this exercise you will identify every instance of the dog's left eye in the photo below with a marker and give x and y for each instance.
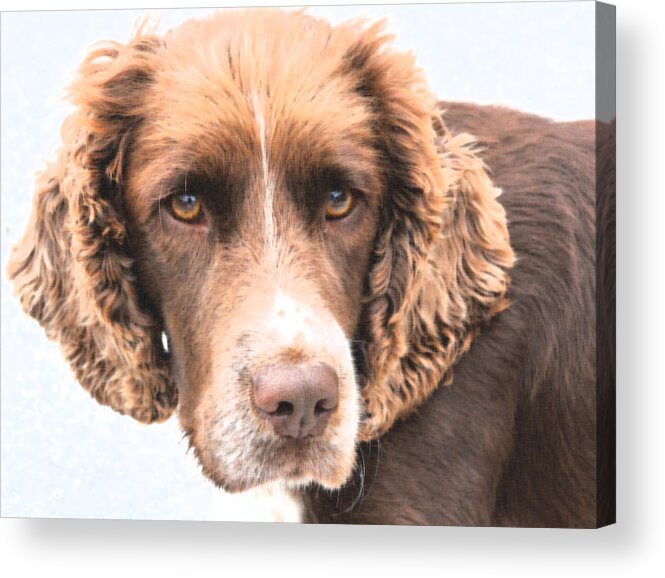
(339, 204)
(186, 207)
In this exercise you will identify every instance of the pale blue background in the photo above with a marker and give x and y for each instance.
(62, 454)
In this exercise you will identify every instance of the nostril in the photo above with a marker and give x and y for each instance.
(324, 405)
(283, 408)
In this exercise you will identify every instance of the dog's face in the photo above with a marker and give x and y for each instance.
(272, 194)
(253, 190)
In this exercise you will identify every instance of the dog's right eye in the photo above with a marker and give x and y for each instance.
(186, 207)
(339, 204)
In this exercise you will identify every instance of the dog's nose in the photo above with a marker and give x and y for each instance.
(297, 399)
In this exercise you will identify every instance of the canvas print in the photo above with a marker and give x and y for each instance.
(350, 269)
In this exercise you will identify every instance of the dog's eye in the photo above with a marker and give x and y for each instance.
(339, 204)
(186, 207)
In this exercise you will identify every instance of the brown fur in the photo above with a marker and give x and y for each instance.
(231, 109)
(524, 434)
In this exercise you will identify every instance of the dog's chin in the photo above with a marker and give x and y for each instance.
(295, 465)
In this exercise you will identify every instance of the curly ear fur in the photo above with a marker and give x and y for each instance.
(72, 269)
(443, 251)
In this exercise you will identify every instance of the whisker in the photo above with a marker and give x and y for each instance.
(358, 499)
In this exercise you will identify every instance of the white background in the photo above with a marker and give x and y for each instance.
(633, 546)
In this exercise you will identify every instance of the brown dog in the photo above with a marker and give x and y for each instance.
(282, 200)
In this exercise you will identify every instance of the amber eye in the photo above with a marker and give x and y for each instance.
(186, 207)
(339, 204)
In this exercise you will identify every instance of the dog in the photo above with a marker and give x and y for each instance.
(272, 225)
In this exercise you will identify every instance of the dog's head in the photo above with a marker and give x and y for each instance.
(262, 219)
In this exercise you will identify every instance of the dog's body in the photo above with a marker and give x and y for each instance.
(513, 440)
(283, 200)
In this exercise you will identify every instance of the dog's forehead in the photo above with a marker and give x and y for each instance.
(229, 96)
(223, 77)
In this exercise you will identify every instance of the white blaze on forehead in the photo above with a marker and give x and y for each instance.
(268, 187)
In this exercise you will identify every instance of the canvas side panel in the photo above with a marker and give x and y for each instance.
(606, 264)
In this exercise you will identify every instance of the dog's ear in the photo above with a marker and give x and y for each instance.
(442, 253)
(72, 269)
